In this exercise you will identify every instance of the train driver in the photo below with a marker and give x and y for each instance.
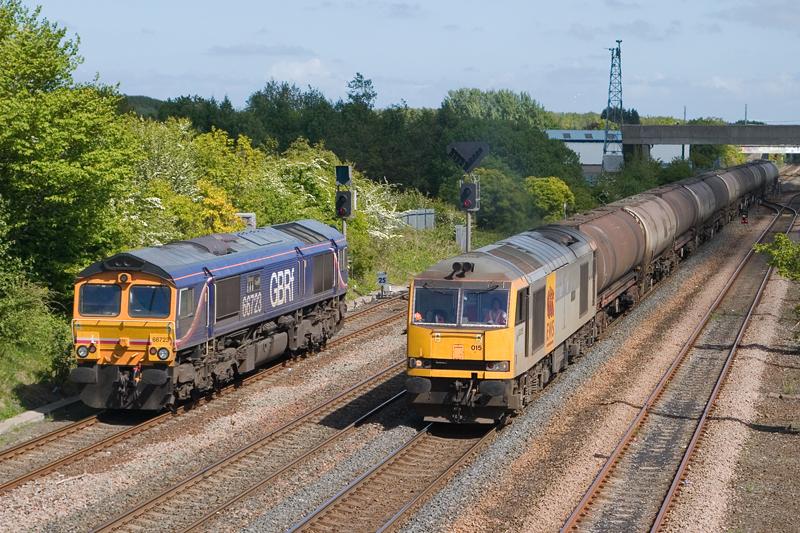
(495, 315)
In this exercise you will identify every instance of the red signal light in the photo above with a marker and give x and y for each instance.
(467, 204)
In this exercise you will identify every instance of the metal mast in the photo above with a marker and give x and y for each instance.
(614, 106)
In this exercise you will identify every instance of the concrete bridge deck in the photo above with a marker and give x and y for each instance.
(750, 135)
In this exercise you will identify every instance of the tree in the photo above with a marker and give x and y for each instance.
(629, 116)
(66, 151)
(361, 92)
(505, 206)
(638, 174)
(551, 196)
(497, 105)
(783, 254)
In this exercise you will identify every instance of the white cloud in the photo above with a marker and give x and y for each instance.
(302, 72)
(730, 85)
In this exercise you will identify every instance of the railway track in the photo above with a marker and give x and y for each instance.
(634, 488)
(250, 467)
(47, 453)
(388, 492)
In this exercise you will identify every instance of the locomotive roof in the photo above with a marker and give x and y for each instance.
(531, 254)
(222, 254)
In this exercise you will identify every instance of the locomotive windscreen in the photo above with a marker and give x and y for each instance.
(485, 308)
(100, 299)
(435, 306)
(488, 307)
(150, 301)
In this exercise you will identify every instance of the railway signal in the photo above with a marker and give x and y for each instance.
(468, 156)
(470, 197)
(344, 204)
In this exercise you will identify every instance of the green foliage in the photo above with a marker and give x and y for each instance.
(708, 156)
(405, 146)
(361, 92)
(505, 205)
(656, 120)
(65, 150)
(34, 341)
(502, 105)
(783, 254)
(576, 121)
(551, 196)
(637, 176)
(144, 106)
(629, 116)
(675, 170)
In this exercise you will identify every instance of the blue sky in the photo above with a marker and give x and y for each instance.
(712, 56)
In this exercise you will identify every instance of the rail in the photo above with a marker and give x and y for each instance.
(586, 505)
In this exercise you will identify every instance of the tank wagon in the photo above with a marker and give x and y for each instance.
(489, 328)
(157, 325)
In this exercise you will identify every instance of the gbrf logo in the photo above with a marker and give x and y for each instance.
(281, 287)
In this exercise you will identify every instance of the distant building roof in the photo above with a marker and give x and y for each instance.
(586, 136)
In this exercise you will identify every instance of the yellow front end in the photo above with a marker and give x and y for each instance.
(120, 333)
(461, 350)
(124, 340)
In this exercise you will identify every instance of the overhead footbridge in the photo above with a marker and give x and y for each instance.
(752, 138)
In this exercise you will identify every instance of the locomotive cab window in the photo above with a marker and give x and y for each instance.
(151, 301)
(435, 306)
(186, 305)
(522, 306)
(485, 308)
(186, 308)
(99, 299)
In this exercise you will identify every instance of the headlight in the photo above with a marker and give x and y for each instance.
(497, 366)
(82, 351)
(418, 363)
(92, 348)
(163, 354)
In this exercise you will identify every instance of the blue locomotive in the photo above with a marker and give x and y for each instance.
(157, 325)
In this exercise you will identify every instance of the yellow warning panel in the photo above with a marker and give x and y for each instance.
(550, 312)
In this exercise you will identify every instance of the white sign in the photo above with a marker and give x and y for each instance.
(281, 287)
(382, 278)
(771, 149)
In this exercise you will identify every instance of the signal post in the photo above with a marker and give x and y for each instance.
(345, 203)
(468, 155)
